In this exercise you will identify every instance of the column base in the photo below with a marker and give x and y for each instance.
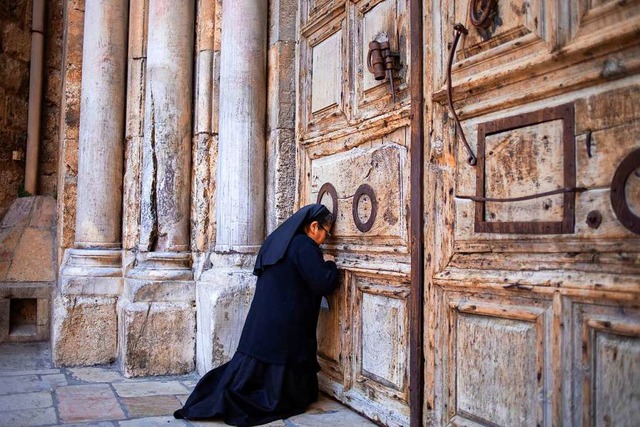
(84, 309)
(84, 331)
(157, 338)
(223, 299)
(157, 316)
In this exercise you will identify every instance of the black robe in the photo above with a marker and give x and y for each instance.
(273, 374)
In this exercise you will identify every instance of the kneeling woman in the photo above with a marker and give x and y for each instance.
(273, 374)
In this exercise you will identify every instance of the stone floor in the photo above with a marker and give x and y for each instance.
(33, 393)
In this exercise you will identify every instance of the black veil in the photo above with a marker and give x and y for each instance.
(276, 244)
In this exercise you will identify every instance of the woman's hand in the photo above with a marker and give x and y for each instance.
(328, 257)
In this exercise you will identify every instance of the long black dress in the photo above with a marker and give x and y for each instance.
(273, 374)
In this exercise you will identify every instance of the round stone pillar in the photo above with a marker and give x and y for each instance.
(166, 173)
(102, 118)
(90, 280)
(242, 117)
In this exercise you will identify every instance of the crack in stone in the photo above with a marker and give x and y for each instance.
(142, 330)
(153, 197)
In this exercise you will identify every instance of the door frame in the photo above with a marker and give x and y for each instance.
(416, 207)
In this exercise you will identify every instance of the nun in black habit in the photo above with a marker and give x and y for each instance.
(273, 374)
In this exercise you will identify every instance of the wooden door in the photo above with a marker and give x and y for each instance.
(353, 142)
(533, 305)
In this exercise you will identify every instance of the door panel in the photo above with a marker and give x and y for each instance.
(606, 359)
(533, 313)
(353, 144)
(497, 358)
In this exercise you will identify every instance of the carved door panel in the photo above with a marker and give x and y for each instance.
(533, 316)
(353, 143)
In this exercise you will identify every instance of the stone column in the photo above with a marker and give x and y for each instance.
(243, 100)
(157, 314)
(91, 274)
(224, 292)
(166, 169)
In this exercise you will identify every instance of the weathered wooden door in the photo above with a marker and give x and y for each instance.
(353, 141)
(534, 298)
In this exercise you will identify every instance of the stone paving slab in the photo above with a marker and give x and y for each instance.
(94, 424)
(149, 388)
(29, 417)
(157, 422)
(102, 397)
(12, 373)
(96, 375)
(182, 398)
(150, 406)
(22, 384)
(25, 356)
(92, 402)
(327, 412)
(218, 423)
(55, 380)
(17, 402)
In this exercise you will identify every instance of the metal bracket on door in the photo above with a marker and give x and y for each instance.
(481, 11)
(459, 30)
(382, 62)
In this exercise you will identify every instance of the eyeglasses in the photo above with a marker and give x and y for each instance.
(327, 231)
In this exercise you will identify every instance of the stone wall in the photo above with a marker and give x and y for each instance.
(71, 64)
(15, 45)
(15, 51)
(52, 90)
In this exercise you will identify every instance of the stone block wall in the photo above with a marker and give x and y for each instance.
(27, 269)
(15, 52)
(15, 47)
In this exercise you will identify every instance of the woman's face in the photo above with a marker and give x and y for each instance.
(317, 232)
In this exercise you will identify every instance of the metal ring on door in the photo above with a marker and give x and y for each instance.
(364, 190)
(618, 195)
(328, 188)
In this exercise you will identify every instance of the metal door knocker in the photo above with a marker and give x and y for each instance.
(364, 191)
(480, 12)
(459, 29)
(382, 62)
(628, 169)
(328, 189)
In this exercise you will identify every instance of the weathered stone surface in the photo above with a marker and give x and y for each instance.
(223, 300)
(282, 22)
(141, 388)
(29, 417)
(52, 93)
(9, 239)
(327, 412)
(282, 96)
(91, 272)
(84, 330)
(32, 358)
(44, 213)
(202, 189)
(155, 290)
(53, 381)
(33, 259)
(96, 375)
(166, 156)
(92, 402)
(71, 65)
(22, 384)
(157, 338)
(18, 213)
(102, 113)
(151, 406)
(15, 402)
(241, 149)
(160, 422)
(281, 175)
